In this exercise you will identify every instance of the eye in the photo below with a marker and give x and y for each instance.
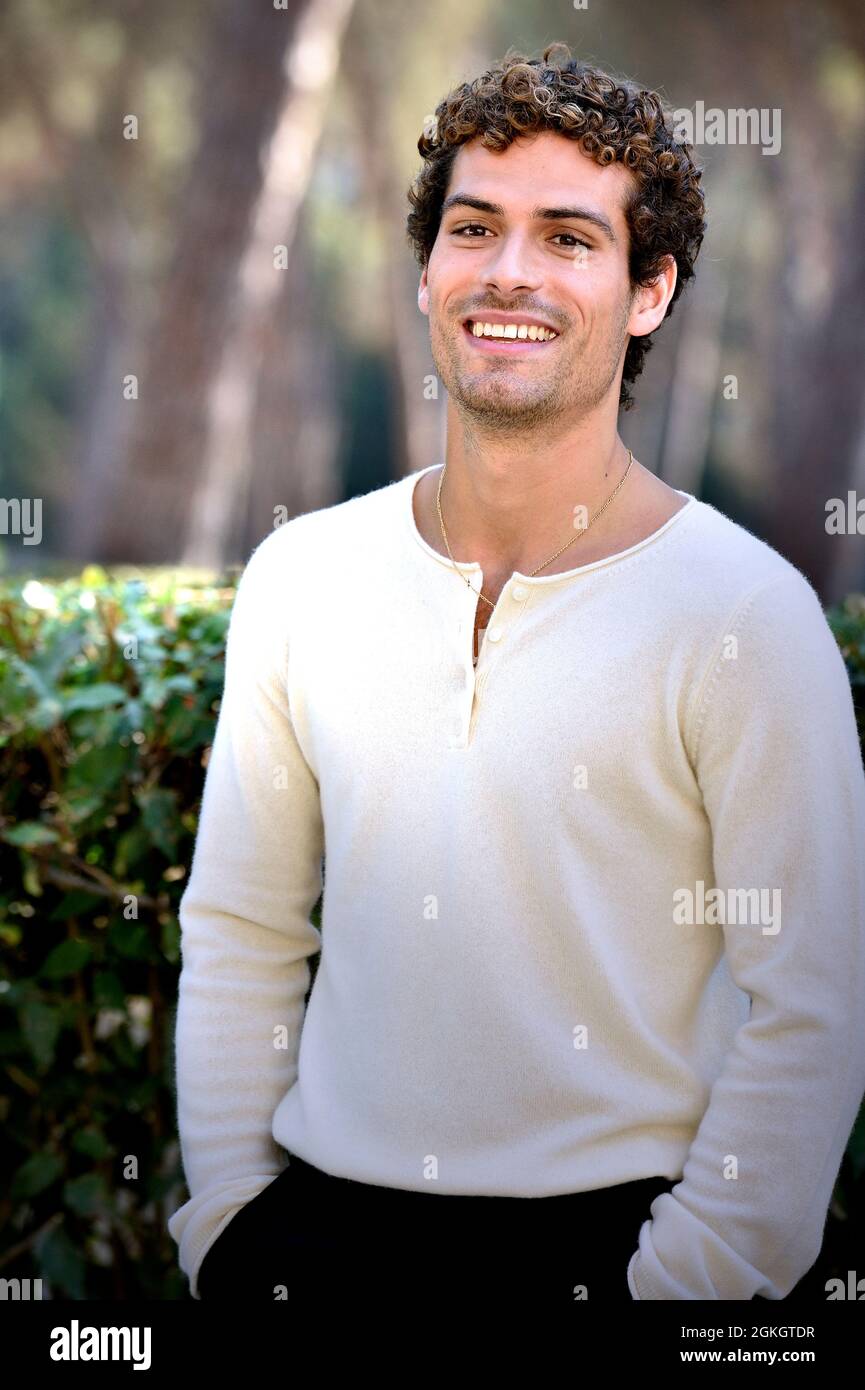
(575, 238)
(479, 227)
(469, 226)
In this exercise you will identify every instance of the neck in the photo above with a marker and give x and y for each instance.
(513, 504)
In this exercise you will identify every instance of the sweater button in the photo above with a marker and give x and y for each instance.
(494, 633)
(519, 592)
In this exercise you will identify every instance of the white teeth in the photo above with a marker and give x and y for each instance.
(513, 330)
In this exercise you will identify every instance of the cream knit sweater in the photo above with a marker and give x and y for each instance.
(593, 911)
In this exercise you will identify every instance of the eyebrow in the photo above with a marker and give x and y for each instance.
(576, 214)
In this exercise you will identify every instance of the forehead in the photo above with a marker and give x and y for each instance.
(542, 167)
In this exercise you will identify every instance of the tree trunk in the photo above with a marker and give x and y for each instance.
(223, 489)
(141, 516)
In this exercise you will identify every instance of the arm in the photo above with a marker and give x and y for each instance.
(245, 930)
(776, 752)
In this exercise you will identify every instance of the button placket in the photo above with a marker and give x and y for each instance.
(497, 629)
(465, 673)
(468, 698)
(517, 593)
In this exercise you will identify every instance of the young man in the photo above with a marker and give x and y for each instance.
(588, 1014)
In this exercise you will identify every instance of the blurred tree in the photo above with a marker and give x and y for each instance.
(809, 63)
(222, 489)
(198, 365)
(139, 510)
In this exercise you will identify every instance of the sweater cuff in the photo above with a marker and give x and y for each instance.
(198, 1223)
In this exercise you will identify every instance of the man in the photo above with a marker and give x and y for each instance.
(593, 927)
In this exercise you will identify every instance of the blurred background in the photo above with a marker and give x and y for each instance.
(164, 386)
(170, 386)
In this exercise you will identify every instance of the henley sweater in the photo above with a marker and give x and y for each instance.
(593, 910)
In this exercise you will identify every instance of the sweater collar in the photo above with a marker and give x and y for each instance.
(411, 482)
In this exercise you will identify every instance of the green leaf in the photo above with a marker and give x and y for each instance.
(108, 991)
(47, 713)
(61, 1262)
(79, 807)
(153, 692)
(40, 1025)
(61, 645)
(75, 904)
(99, 769)
(87, 1195)
(134, 715)
(93, 1143)
(131, 940)
(131, 847)
(30, 833)
(98, 696)
(65, 959)
(39, 1172)
(30, 677)
(170, 940)
(159, 813)
(30, 875)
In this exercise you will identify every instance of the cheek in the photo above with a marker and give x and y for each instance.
(593, 304)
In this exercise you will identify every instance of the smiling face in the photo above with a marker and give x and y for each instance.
(511, 250)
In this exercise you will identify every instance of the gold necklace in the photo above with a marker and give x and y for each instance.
(552, 557)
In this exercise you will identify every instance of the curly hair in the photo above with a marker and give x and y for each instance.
(612, 118)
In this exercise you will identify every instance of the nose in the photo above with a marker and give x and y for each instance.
(509, 267)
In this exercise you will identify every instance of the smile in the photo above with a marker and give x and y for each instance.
(508, 337)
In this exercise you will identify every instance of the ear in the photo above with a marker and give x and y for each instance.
(650, 301)
(423, 293)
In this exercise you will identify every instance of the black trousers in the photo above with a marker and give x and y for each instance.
(319, 1241)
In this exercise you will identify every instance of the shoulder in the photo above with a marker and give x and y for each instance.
(765, 644)
(332, 531)
(726, 571)
(774, 659)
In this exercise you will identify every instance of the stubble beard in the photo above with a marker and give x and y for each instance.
(496, 399)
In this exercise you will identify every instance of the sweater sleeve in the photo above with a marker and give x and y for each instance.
(776, 753)
(246, 936)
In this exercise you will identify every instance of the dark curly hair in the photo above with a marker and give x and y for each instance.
(613, 119)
